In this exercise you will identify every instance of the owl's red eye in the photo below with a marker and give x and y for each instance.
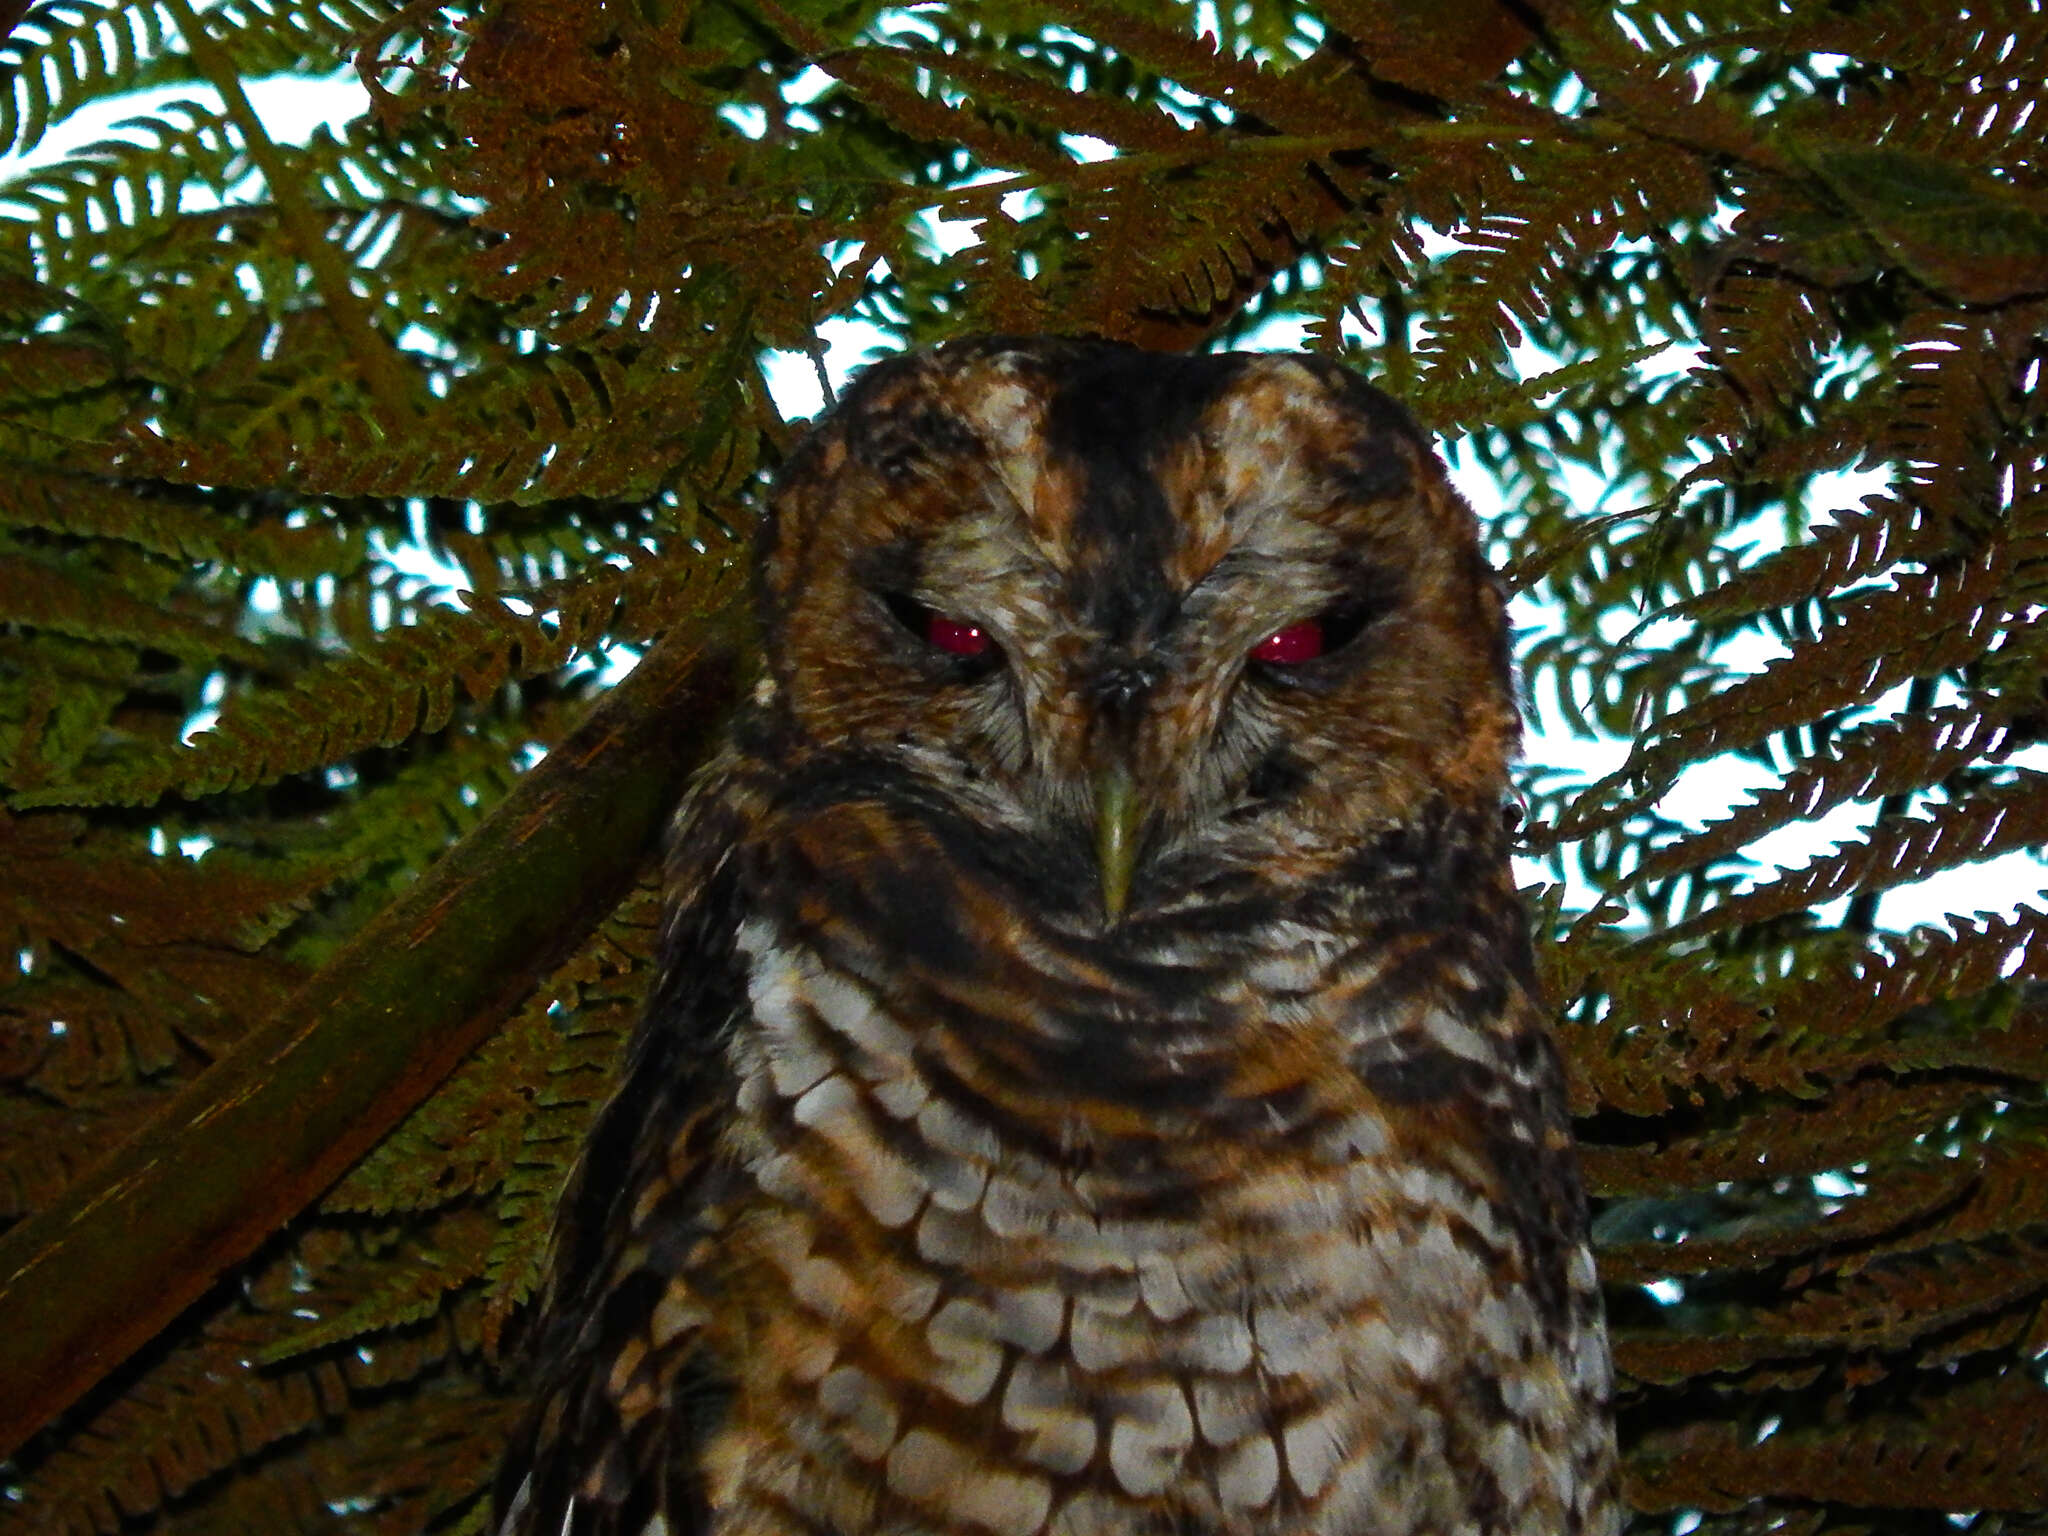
(956, 635)
(1295, 643)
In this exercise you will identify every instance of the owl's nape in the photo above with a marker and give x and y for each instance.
(1094, 1083)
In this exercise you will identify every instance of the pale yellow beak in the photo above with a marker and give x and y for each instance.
(1119, 818)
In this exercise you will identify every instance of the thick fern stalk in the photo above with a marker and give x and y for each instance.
(273, 1124)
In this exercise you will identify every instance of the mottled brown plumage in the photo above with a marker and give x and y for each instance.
(1095, 1083)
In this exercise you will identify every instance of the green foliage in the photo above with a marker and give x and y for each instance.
(339, 475)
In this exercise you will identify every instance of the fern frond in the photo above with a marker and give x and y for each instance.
(1780, 1137)
(1886, 1306)
(64, 53)
(1856, 546)
(1664, 1033)
(281, 37)
(1961, 962)
(1896, 1199)
(1986, 824)
(47, 1142)
(99, 896)
(1195, 240)
(86, 506)
(885, 80)
(1045, 101)
(1569, 205)
(1976, 1446)
(1967, 235)
(356, 1301)
(133, 189)
(66, 598)
(1921, 626)
(597, 999)
(1303, 103)
(406, 682)
(191, 1419)
(1913, 40)
(1875, 759)
(416, 1461)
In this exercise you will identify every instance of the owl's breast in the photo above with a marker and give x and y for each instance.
(1074, 1251)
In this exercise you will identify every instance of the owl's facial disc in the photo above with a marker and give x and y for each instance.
(1155, 615)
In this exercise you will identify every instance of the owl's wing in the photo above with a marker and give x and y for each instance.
(627, 1389)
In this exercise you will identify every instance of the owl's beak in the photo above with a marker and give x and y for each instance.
(1119, 817)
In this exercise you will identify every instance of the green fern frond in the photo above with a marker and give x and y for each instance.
(441, 1257)
(64, 53)
(405, 682)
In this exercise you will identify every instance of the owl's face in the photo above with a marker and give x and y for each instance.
(1170, 614)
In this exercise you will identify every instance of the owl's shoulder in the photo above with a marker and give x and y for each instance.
(626, 1374)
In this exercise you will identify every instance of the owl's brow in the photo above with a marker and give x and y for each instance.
(901, 566)
(1244, 562)
(1232, 565)
(894, 566)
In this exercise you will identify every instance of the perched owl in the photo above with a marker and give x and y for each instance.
(1094, 1083)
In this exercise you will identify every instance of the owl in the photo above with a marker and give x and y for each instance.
(1094, 1083)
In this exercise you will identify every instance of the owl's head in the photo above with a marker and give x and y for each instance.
(1172, 612)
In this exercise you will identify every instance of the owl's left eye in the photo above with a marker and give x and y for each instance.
(1292, 645)
(956, 635)
(1307, 640)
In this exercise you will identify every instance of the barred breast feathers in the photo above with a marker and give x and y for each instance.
(1175, 1222)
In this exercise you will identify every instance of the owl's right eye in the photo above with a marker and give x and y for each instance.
(957, 637)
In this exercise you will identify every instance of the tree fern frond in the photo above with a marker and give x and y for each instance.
(134, 189)
(440, 1257)
(596, 1000)
(191, 1420)
(1779, 1137)
(1856, 546)
(1814, 1316)
(1451, 405)
(1195, 241)
(1569, 205)
(64, 53)
(1660, 1033)
(1876, 759)
(1886, 1305)
(1303, 103)
(1980, 1448)
(1045, 101)
(277, 38)
(1911, 39)
(406, 682)
(1919, 627)
(47, 1142)
(1961, 962)
(87, 506)
(415, 1462)
(65, 599)
(1984, 825)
